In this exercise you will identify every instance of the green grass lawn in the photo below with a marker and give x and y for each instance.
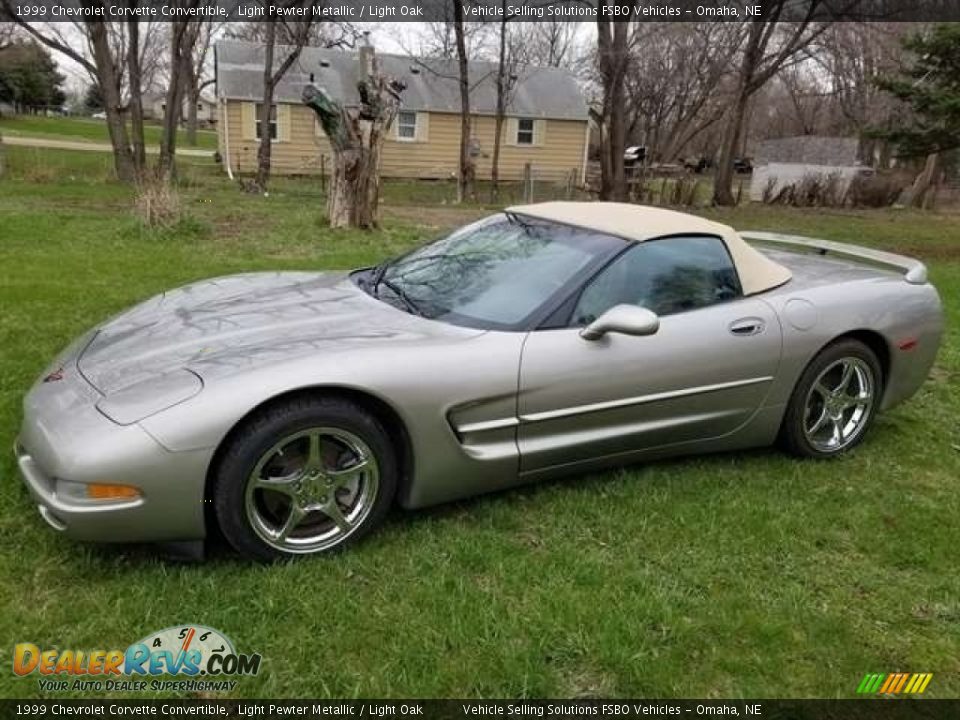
(85, 129)
(746, 574)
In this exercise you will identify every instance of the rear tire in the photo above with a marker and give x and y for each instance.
(305, 476)
(834, 402)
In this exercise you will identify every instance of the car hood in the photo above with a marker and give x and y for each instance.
(235, 324)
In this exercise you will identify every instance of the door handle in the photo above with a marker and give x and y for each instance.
(747, 326)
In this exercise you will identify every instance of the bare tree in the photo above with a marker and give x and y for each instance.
(551, 43)
(7, 29)
(199, 76)
(135, 83)
(510, 58)
(356, 137)
(613, 58)
(678, 83)
(852, 55)
(183, 38)
(767, 45)
(104, 63)
(298, 33)
(466, 169)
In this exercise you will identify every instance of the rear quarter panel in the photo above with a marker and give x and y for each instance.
(828, 299)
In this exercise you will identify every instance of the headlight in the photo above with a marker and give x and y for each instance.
(146, 398)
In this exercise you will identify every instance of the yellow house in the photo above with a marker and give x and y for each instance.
(546, 124)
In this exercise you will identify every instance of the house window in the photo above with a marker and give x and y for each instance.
(406, 125)
(525, 131)
(273, 121)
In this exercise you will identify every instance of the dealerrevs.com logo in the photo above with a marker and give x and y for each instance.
(206, 657)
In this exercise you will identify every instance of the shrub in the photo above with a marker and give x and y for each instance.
(877, 190)
(157, 204)
(812, 190)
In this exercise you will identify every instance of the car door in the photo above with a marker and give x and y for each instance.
(702, 375)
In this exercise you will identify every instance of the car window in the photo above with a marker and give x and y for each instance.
(496, 272)
(666, 276)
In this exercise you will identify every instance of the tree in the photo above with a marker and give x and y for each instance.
(183, 38)
(283, 41)
(550, 43)
(356, 136)
(677, 83)
(852, 55)
(930, 86)
(509, 60)
(134, 71)
(767, 45)
(198, 76)
(298, 33)
(613, 58)
(29, 78)
(93, 98)
(466, 169)
(105, 64)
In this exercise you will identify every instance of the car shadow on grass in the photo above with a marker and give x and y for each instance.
(215, 550)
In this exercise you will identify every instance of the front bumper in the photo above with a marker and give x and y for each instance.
(65, 437)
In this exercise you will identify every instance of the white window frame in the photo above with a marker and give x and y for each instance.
(404, 138)
(532, 131)
(274, 122)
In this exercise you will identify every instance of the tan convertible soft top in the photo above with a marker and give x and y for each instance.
(640, 222)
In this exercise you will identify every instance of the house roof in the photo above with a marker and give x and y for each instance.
(807, 150)
(432, 84)
(640, 223)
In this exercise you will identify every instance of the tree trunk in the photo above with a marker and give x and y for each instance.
(723, 180)
(356, 137)
(109, 80)
(194, 100)
(136, 97)
(466, 169)
(612, 57)
(501, 110)
(354, 197)
(921, 193)
(263, 152)
(183, 36)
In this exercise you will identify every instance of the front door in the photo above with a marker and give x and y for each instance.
(701, 375)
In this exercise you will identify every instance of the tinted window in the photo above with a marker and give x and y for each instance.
(666, 276)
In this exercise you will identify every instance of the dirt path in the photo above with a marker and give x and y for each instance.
(94, 146)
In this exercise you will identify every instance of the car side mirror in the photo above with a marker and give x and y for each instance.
(626, 319)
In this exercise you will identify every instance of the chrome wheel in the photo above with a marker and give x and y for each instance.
(311, 490)
(839, 404)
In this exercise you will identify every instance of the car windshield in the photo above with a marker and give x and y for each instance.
(495, 273)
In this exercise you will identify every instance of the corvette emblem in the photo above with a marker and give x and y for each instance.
(54, 376)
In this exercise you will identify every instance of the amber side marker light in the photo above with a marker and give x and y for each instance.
(105, 491)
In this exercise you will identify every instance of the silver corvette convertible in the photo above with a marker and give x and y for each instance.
(292, 410)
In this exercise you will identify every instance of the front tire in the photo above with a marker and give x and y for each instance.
(305, 476)
(834, 402)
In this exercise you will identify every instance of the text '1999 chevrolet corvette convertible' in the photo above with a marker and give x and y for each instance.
(545, 340)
